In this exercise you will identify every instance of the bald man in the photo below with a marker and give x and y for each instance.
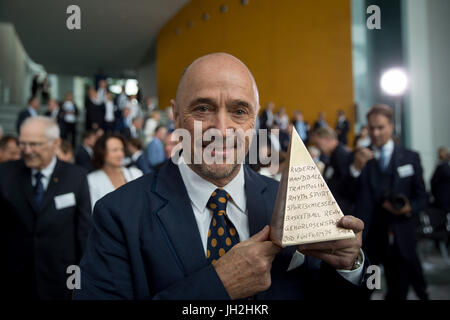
(45, 208)
(198, 229)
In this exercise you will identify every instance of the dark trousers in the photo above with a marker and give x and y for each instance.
(70, 132)
(400, 273)
(109, 127)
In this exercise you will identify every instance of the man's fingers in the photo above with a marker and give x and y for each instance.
(339, 262)
(352, 223)
(269, 249)
(328, 245)
(263, 235)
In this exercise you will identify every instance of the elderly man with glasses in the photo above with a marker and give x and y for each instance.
(45, 215)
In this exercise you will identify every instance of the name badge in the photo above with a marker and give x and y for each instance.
(405, 171)
(65, 201)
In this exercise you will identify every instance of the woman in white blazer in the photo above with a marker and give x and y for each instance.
(110, 174)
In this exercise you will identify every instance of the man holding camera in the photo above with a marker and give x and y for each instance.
(390, 191)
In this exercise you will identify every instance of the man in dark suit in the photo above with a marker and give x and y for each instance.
(440, 182)
(55, 112)
(134, 131)
(337, 159)
(84, 153)
(95, 110)
(45, 216)
(138, 157)
(342, 127)
(195, 230)
(266, 120)
(390, 190)
(30, 111)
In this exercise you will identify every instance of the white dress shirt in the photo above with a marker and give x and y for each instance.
(109, 111)
(46, 174)
(69, 109)
(32, 112)
(199, 191)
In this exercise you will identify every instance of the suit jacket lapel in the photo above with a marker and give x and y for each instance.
(52, 186)
(177, 218)
(395, 161)
(258, 216)
(25, 181)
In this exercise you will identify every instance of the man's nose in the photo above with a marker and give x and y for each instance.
(223, 121)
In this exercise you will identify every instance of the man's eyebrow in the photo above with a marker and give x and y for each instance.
(241, 103)
(202, 101)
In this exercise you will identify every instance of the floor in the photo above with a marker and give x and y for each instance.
(437, 274)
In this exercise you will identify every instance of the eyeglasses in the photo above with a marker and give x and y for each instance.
(32, 145)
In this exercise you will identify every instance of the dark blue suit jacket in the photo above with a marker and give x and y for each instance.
(23, 115)
(145, 244)
(377, 220)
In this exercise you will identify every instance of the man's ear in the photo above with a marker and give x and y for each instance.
(57, 143)
(176, 115)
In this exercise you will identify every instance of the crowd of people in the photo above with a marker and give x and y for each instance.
(376, 180)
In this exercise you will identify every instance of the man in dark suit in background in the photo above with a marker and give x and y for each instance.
(138, 157)
(200, 231)
(84, 153)
(266, 120)
(95, 110)
(45, 207)
(440, 182)
(337, 158)
(390, 190)
(55, 112)
(342, 127)
(30, 111)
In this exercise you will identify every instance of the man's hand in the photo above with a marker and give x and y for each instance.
(340, 254)
(406, 210)
(362, 155)
(245, 269)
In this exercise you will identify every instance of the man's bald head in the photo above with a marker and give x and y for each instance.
(218, 92)
(214, 62)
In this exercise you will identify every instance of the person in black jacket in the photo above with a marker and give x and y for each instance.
(30, 111)
(70, 111)
(337, 158)
(84, 153)
(390, 191)
(45, 208)
(95, 110)
(342, 127)
(55, 112)
(440, 182)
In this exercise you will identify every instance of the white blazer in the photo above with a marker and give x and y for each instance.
(100, 185)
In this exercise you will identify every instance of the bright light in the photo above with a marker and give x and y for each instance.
(115, 88)
(131, 87)
(394, 82)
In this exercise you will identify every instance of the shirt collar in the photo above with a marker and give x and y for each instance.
(388, 147)
(136, 155)
(46, 172)
(88, 149)
(32, 111)
(200, 190)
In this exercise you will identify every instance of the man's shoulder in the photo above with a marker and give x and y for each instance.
(131, 191)
(408, 153)
(9, 167)
(259, 179)
(73, 169)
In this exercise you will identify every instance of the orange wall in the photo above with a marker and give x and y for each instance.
(298, 50)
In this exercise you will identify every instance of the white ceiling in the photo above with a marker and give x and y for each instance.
(115, 35)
